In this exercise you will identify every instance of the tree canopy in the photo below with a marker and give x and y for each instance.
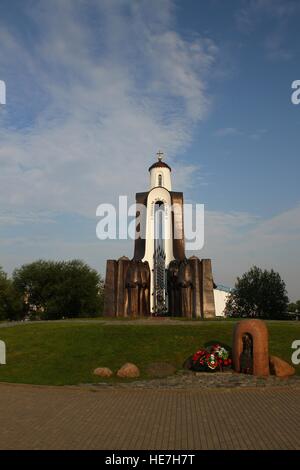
(10, 299)
(56, 289)
(258, 293)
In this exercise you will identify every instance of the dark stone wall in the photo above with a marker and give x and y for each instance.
(110, 289)
(208, 301)
(140, 243)
(178, 243)
(197, 291)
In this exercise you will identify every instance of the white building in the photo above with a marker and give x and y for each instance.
(159, 220)
(221, 294)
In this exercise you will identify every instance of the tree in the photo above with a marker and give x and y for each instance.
(258, 293)
(59, 289)
(10, 299)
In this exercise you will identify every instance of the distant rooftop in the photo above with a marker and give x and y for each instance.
(224, 288)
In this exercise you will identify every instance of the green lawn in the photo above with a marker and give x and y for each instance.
(67, 352)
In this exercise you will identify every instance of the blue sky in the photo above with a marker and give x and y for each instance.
(96, 87)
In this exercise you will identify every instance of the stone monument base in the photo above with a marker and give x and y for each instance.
(190, 289)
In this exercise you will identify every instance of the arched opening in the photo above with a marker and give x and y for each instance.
(246, 359)
(160, 180)
(159, 262)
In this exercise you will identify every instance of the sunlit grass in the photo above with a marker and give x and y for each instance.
(62, 353)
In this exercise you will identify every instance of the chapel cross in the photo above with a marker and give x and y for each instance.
(160, 155)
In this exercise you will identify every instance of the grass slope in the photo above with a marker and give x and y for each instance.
(66, 353)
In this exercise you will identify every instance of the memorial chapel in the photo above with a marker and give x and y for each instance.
(159, 280)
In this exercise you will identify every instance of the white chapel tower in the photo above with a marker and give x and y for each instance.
(159, 232)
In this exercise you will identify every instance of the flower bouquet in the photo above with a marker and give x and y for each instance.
(212, 359)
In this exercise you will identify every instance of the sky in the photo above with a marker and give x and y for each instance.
(96, 87)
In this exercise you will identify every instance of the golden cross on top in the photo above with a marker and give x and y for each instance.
(160, 155)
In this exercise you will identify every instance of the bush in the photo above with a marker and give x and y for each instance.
(63, 289)
(258, 294)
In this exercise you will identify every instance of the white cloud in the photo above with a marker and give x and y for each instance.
(104, 97)
(235, 241)
(234, 132)
(275, 47)
(251, 14)
(227, 131)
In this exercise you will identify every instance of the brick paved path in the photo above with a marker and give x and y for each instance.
(33, 417)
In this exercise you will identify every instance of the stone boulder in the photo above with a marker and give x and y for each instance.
(103, 372)
(160, 369)
(187, 365)
(280, 368)
(128, 370)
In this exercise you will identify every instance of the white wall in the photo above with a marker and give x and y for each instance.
(2, 353)
(166, 178)
(220, 301)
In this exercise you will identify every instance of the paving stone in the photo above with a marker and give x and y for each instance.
(120, 418)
